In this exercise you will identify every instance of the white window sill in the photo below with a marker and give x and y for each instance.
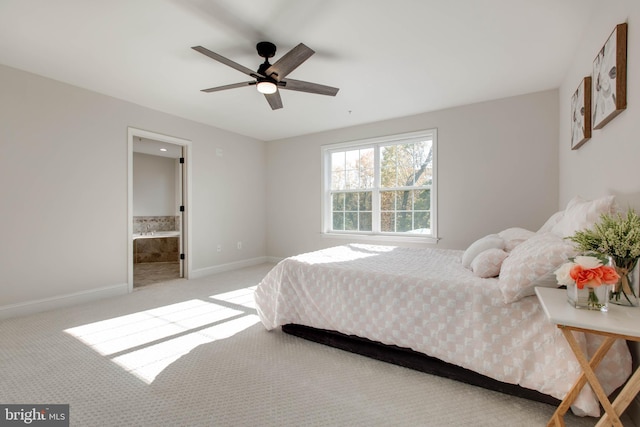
(377, 238)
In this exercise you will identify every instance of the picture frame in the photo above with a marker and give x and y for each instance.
(581, 114)
(609, 78)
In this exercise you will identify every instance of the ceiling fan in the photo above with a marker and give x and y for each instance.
(270, 77)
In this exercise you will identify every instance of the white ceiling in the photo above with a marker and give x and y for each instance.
(389, 58)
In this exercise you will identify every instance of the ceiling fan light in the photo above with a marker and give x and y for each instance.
(267, 87)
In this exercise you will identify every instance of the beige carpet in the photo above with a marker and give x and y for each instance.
(190, 353)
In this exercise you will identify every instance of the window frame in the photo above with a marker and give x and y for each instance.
(376, 234)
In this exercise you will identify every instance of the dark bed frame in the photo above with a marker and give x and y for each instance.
(414, 360)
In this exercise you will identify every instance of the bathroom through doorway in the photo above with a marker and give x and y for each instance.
(158, 208)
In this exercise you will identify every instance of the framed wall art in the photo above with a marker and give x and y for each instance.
(581, 114)
(609, 78)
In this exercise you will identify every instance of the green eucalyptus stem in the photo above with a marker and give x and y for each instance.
(593, 300)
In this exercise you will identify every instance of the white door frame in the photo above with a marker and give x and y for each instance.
(186, 226)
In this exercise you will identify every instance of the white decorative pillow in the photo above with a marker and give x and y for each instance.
(553, 220)
(581, 214)
(530, 265)
(487, 242)
(514, 236)
(487, 264)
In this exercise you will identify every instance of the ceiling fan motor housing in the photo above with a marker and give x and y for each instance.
(266, 49)
(262, 70)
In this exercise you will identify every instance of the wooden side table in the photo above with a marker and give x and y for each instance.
(618, 323)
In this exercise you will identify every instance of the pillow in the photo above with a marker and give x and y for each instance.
(532, 264)
(514, 236)
(581, 214)
(487, 242)
(553, 220)
(487, 263)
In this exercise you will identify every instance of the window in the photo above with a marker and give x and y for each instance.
(384, 186)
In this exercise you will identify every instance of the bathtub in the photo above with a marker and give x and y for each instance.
(156, 235)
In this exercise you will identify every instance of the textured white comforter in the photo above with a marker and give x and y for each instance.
(424, 299)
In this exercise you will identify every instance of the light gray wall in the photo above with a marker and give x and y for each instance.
(63, 175)
(154, 185)
(608, 162)
(497, 168)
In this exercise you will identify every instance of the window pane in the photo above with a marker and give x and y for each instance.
(352, 179)
(406, 165)
(338, 161)
(364, 201)
(421, 221)
(366, 167)
(353, 169)
(423, 163)
(404, 222)
(351, 201)
(352, 159)
(388, 165)
(411, 211)
(337, 171)
(404, 201)
(351, 221)
(405, 161)
(338, 202)
(365, 221)
(388, 222)
(338, 221)
(422, 200)
(337, 180)
(387, 200)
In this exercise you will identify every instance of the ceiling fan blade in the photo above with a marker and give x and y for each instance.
(289, 62)
(225, 61)
(274, 100)
(225, 87)
(302, 86)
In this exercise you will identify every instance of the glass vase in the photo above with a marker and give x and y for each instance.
(626, 291)
(588, 298)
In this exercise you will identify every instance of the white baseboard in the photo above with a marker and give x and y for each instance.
(273, 259)
(46, 304)
(202, 272)
(51, 303)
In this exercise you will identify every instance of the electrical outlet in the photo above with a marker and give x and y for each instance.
(219, 248)
(239, 245)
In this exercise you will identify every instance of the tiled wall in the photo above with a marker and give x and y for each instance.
(155, 223)
(165, 249)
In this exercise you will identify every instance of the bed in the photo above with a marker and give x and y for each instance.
(442, 306)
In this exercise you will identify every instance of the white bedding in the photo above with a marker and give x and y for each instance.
(424, 299)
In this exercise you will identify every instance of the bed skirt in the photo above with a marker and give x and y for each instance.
(414, 360)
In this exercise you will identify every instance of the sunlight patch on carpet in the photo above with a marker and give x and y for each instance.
(147, 363)
(243, 297)
(146, 342)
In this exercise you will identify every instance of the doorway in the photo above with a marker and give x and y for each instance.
(158, 208)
